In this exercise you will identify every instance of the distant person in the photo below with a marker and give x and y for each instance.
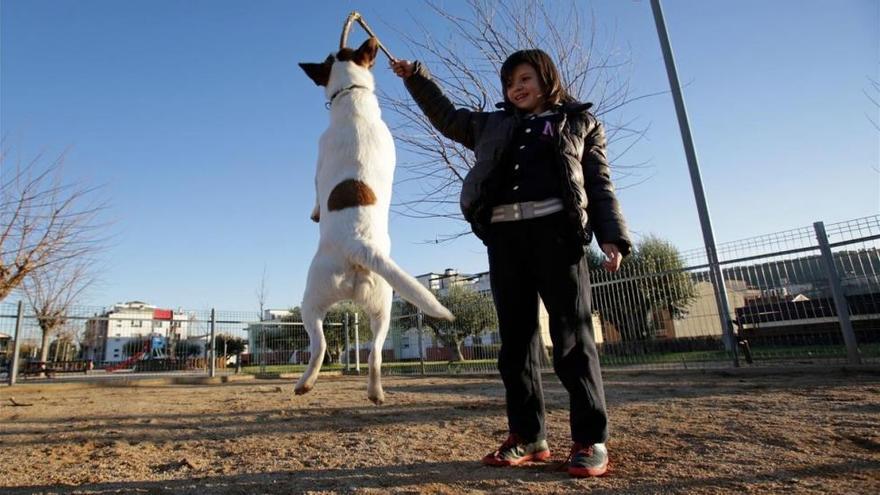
(539, 190)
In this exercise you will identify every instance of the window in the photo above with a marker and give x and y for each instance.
(137, 323)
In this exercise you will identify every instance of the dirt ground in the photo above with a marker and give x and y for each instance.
(804, 432)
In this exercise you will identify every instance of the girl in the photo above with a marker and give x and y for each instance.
(539, 190)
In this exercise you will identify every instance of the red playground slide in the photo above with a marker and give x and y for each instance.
(130, 361)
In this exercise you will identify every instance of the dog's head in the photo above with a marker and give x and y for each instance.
(345, 67)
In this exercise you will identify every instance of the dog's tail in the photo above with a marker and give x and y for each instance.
(405, 284)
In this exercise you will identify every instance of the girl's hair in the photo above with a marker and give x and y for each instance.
(548, 75)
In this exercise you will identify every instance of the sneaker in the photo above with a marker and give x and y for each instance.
(588, 460)
(514, 452)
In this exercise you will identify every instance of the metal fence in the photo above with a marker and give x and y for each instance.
(804, 296)
(795, 297)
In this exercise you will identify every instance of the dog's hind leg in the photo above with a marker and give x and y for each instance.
(378, 305)
(313, 321)
(319, 296)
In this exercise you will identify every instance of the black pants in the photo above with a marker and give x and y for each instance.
(532, 258)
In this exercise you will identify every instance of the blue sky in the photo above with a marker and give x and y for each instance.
(195, 117)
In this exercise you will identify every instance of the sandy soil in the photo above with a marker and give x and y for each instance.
(795, 432)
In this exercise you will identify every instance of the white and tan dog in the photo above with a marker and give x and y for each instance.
(356, 162)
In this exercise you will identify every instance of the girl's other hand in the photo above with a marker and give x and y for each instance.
(613, 257)
(403, 68)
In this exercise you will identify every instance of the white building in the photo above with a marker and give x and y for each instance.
(275, 314)
(5, 341)
(406, 343)
(272, 320)
(107, 334)
(441, 282)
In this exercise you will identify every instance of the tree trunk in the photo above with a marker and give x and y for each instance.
(44, 346)
(456, 351)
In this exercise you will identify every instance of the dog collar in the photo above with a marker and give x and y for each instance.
(347, 88)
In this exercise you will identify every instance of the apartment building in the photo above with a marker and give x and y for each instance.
(107, 334)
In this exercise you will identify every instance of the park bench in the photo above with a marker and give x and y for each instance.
(51, 368)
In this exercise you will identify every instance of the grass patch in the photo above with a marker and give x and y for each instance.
(396, 367)
(288, 368)
(763, 353)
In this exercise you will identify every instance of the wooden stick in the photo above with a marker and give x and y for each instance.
(356, 16)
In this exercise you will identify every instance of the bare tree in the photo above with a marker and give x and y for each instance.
(66, 344)
(466, 64)
(262, 293)
(52, 292)
(874, 95)
(45, 222)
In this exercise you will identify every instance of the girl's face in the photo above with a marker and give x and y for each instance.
(524, 89)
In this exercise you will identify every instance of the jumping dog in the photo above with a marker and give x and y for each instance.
(356, 160)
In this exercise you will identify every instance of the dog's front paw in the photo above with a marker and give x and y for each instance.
(375, 392)
(303, 386)
(377, 399)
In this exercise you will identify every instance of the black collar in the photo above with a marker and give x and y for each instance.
(347, 88)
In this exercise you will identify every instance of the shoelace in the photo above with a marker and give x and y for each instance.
(512, 441)
(575, 449)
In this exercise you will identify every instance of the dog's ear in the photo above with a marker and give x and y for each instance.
(365, 56)
(320, 73)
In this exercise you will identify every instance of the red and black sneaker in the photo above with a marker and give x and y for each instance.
(588, 460)
(514, 451)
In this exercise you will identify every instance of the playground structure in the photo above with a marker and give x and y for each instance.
(155, 349)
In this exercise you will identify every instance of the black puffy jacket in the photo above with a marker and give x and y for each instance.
(589, 197)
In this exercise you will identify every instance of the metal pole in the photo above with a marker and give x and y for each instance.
(357, 345)
(347, 344)
(13, 368)
(846, 328)
(697, 184)
(419, 323)
(213, 354)
(262, 347)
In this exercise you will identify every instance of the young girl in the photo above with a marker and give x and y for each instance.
(538, 192)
